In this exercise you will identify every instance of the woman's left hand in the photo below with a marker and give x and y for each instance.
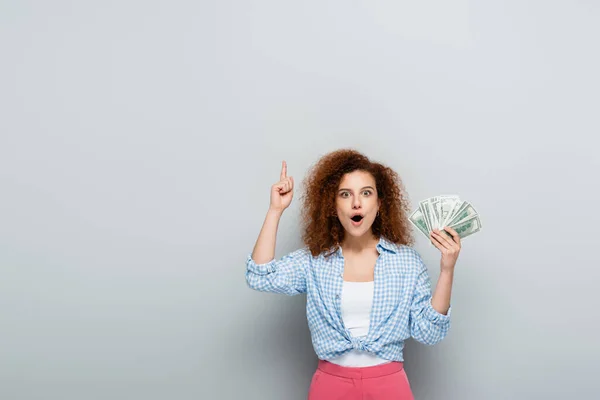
(449, 246)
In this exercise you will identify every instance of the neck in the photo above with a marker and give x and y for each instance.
(358, 244)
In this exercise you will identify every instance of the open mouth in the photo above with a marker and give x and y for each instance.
(357, 218)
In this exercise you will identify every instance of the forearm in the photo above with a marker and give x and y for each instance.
(264, 249)
(442, 293)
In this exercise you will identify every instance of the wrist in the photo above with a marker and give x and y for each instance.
(447, 272)
(274, 212)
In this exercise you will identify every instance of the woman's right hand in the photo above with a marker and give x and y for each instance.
(283, 191)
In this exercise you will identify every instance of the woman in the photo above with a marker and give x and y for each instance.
(367, 289)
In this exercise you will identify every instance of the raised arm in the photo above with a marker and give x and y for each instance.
(281, 197)
(263, 272)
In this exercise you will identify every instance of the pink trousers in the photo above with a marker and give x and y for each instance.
(380, 382)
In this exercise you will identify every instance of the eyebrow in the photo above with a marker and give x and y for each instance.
(366, 187)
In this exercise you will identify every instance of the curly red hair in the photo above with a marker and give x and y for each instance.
(322, 230)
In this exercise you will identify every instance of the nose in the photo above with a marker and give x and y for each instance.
(356, 202)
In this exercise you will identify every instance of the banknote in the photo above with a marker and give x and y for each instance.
(446, 210)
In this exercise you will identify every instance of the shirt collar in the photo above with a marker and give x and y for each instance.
(387, 245)
(382, 244)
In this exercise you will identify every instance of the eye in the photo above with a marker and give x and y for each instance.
(368, 192)
(343, 194)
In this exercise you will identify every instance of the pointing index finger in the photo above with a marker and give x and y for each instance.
(283, 170)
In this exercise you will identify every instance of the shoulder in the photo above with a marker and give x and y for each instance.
(408, 251)
(301, 253)
(408, 257)
(304, 255)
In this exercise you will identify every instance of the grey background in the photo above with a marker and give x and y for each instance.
(139, 140)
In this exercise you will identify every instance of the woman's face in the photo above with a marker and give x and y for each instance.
(357, 202)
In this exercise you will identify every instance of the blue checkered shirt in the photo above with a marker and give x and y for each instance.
(401, 299)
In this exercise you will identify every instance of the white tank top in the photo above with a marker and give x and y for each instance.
(357, 299)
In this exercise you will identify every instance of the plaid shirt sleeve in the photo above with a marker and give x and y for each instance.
(426, 324)
(286, 275)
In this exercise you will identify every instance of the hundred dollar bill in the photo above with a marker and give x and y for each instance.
(448, 204)
(468, 226)
(424, 208)
(418, 220)
(438, 212)
(429, 212)
(466, 211)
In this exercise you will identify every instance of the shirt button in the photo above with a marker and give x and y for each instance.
(337, 296)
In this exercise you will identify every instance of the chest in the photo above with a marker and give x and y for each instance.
(373, 288)
(360, 268)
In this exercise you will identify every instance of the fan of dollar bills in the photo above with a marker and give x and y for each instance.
(446, 210)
